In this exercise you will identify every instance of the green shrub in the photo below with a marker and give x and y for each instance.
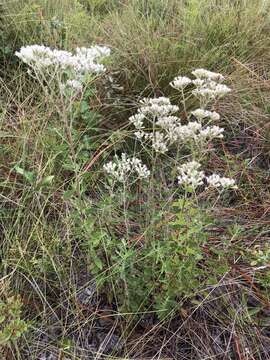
(12, 327)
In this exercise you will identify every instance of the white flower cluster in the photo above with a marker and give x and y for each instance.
(51, 62)
(159, 141)
(191, 175)
(122, 168)
(220, 182)
(210, 132)
(194, 132)
(157, 107)
(201, 114)
(83, 61)
(166, 129)
(208, 85)
(137, 121)
(180, 82)
(211, 90)
(74, 84)
(158, 111)
(167, 122)
(207, 75)
(156, 123)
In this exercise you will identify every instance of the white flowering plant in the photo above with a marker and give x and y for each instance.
(147, 239)
(169, 259)
(64, 76)
(157, 125)
(156, 122)
(68, 70)
(122, 169)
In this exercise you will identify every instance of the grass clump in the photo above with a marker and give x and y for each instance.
(62, 23)
(154, 40)
(119, 236)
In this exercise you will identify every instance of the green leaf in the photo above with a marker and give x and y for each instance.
(28, 175)
(84, 106)
(47, 180)
(254, 311)
(98, 263)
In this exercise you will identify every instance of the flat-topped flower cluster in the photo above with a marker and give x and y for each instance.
(208, 85)
(191, 175)
(53, 62)
(84, 60)
(121, 169)
(157, 125)
(166, 129)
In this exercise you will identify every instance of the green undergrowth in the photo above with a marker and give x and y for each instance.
(177, 264)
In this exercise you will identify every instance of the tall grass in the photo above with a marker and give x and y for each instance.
(154, 40)
(46, 230)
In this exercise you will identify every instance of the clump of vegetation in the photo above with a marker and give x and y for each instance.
(12, 327)
(134, 198)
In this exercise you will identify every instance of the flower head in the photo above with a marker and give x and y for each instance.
(159, 142)
(217, 181)
(210, 132)
(157, 107)
(137, 120)
(201, 114)
(122, 168)
(190, 174)
(186, 133)
(46, 61)
(180, 82)
(167, 122)
(208, 75)
(84, 59)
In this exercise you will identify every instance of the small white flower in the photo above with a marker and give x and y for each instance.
(210, 132)
(210, 90)
(222, 90)
(217, 181)
(75, 84)
(190, 175)
(198, 82)
(167, 122)
(122, 168)
(201, 114)
(188, 132)
(137, 120)
(206, 74)
(213, 115)
(180, 82)
(159, 142)
(141, 169)
(157, 107)
(139, 135)
(110, 168)
(162, 100)
(204, 93)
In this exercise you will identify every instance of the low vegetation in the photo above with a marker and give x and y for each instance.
(134, 179)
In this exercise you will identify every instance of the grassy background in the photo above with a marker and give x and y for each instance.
(44, 250)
